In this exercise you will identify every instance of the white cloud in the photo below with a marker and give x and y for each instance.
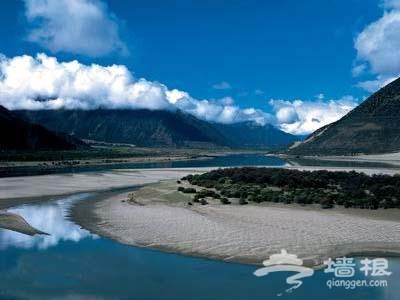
(375, 84)
(304, 117)
(222, 110)
(222, 86)
(379, 42)
(24, 79)
(378, 48)
(287, 115)
(390, 4)
(75, 26)
(42, 82)
(358, 70)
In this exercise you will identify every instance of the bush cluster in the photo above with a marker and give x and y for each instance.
(350, 189)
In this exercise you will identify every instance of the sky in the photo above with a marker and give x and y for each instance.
(298, 65)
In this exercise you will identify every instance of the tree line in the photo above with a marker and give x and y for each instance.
(328, 188)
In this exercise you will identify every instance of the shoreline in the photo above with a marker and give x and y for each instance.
(28, 189)
(226, 234)
(243, 234)
(19, 168)
(21, 190)
(388, 160)
(37, 168)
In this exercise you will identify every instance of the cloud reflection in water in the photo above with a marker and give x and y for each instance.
(50, 217)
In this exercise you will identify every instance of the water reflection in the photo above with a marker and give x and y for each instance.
(73, 264)
(50, 217)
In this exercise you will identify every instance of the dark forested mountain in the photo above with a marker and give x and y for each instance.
(249, 134)
(156, 128)
(18, 134)
(372, 127)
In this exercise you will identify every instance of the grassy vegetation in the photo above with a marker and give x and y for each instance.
(93, 153)
(250, 184)
(59, 155)
(24, 163)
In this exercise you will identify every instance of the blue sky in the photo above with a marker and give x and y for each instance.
(249, 51)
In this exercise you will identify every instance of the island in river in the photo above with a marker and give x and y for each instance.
(158, 216)
(161, 217)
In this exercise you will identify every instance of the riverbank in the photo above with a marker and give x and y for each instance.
(388, 160)
(31, 189)
(28, 164)
(28, 189)
(17, 223)
(31, 168)
(161, 218)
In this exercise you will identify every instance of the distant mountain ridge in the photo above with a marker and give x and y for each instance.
(157, 128)
(18, 134)
(372, 127)
(249, 134)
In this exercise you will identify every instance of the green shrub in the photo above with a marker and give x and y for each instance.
(326, 203)
(203, 202)
(225, 200)
(189, 191)
(350, 189)
(242, 201)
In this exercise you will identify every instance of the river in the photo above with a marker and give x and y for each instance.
(72, 263)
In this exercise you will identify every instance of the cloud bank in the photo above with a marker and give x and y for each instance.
(303, 117)
(378, 47)
(83, 27)
(42, 82)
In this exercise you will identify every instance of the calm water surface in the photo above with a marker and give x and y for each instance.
(222, 161)
(72, 263)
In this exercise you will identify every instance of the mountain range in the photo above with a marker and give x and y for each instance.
(157, 128)
(19, 134)
(372, 127)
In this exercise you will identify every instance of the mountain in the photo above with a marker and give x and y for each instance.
(158, 128)
(251, 135)
(18, 134)
(372, 127)
(139, 127)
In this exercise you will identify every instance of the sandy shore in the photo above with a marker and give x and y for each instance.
(20, 190)
(15, 190)
(161, 219)
(387, 158)
(366, 170)
(16, 223)
(42, 186)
